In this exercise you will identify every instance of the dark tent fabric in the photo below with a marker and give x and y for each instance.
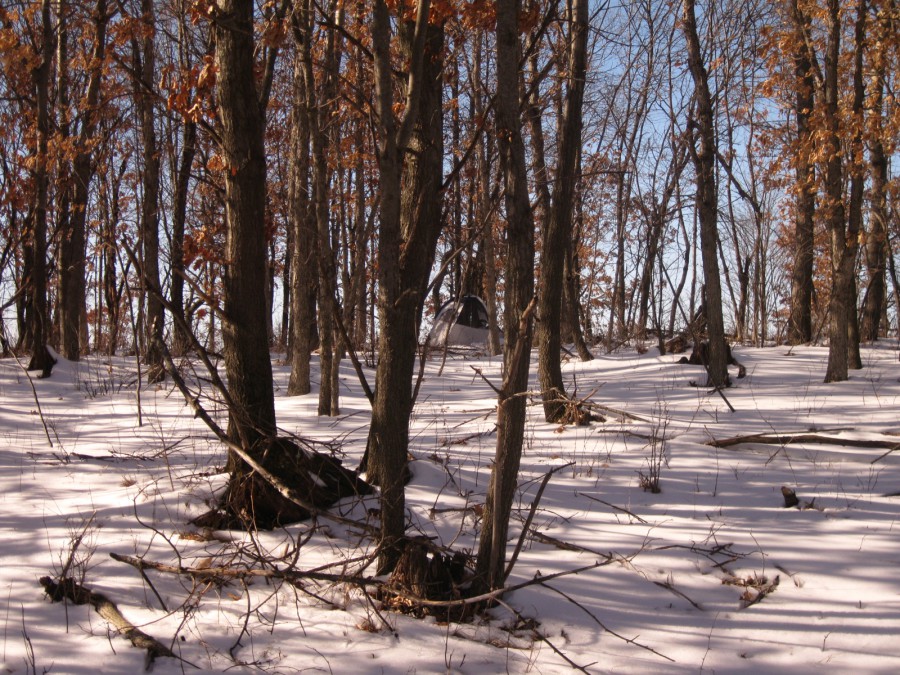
(460, 322)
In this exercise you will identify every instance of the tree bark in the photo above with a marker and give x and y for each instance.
(484, 206)
(843, 248)
(319, 108)
(857, 184)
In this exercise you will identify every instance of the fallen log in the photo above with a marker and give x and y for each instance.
(67, 589)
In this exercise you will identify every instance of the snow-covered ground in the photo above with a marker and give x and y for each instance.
(679, 590)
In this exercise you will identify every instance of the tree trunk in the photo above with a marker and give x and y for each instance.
(876, 248)
(484, 206)
(573, 312)
(707, 201)
(181, 340)
(319, 98)
(303, 251)
(37, 314)
(409, 227)
(557, 231)
(800, 321)
(842, 231)
(247, 361)
(518, 296)
(857, 186)
(145, 67)
(110, 216)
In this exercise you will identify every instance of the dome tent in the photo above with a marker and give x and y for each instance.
(460, 322)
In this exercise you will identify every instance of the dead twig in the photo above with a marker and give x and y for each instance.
(535, 635)
(669, 586)
(630, 641)
(527, 525)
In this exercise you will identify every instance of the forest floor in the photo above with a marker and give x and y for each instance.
(712, 573)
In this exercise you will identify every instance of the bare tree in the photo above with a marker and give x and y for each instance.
(800, 321)
(409, 204)
(301, 219)
(557, 231)
(704, 155)
(37, 325)
(518, 299)
(247, 361)
(144, 55)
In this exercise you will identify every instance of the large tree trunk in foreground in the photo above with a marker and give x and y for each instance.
(251, 499)
(519, 292)
(246, 347)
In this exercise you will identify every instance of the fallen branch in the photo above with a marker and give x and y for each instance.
(616, 508)
(295, 576)
(567, 545)
(223, 573)
(616, 411)
(807, 437)
(67, 589)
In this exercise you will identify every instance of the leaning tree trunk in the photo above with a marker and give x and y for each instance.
(557, 232)
(707, 201)
(518, 296)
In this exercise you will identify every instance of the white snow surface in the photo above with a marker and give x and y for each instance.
(669, 599)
